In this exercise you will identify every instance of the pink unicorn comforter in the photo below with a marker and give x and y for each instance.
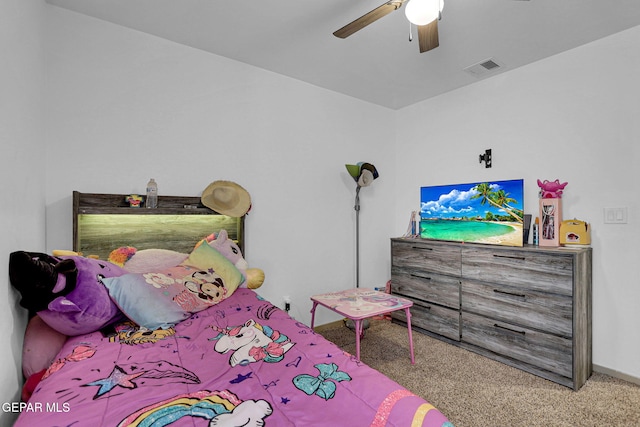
(242, 362)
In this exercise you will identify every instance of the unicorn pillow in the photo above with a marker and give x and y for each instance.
(149, 260)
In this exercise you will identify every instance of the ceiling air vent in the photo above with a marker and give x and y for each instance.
(483, 68)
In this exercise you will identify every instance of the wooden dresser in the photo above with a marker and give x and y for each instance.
(528, 307)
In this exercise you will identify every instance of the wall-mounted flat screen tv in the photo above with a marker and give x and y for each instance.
(489, 212)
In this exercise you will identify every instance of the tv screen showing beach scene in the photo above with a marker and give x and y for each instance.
(490, 212)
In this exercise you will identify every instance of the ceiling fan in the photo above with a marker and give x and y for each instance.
(423, 13)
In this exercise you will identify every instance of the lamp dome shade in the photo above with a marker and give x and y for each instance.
(423, 12)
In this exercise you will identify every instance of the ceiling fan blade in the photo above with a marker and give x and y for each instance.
(368, 18)
(428, 36)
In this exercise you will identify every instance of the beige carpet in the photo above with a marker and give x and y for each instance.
(474, 391)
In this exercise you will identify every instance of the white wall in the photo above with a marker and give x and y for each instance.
(573, 117)
(22, 212)
(125, 106)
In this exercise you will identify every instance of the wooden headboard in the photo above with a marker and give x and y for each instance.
(103, 222)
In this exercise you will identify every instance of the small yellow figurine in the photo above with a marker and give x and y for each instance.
(134, 200)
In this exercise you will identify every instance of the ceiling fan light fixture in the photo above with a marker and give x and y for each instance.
(423, 12)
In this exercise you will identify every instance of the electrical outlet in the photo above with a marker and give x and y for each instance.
(287, 303)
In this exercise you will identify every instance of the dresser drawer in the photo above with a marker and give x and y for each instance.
(426, 286)
(545, 351)
(539, 310)
(440, 320)
(533, 269)
(417, 254)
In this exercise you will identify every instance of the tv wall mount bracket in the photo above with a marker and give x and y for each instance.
(486, 157)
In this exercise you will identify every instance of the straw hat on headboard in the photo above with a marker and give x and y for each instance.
(227, 198)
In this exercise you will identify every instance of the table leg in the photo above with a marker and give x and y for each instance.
(313, 313)
(408, 313)
(358, 324)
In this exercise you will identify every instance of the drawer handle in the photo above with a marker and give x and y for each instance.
(504, 328)
(421, 248)
(521, 258)
(511, 294)
(420, 277)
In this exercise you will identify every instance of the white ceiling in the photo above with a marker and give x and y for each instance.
(377, 64)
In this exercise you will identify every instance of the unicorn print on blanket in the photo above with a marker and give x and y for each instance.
(251, 342)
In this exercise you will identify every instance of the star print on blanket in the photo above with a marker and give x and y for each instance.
(147, 373)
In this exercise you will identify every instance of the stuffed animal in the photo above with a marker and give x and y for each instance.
(66, 292)
(551, 189)
(147, 260)
(231, 251)
(226, 247)
(40, 278)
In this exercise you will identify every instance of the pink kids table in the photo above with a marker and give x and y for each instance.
(360, 303)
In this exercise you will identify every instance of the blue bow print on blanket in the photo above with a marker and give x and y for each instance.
(321, 385)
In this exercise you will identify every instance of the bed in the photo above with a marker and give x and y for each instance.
(238, 361)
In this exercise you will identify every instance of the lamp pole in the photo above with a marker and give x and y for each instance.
(357, 209)
(364, 174)
(350, 323)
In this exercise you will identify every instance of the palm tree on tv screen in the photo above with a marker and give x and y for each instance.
(497, 198)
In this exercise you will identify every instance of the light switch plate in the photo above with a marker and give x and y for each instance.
(615, 215)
